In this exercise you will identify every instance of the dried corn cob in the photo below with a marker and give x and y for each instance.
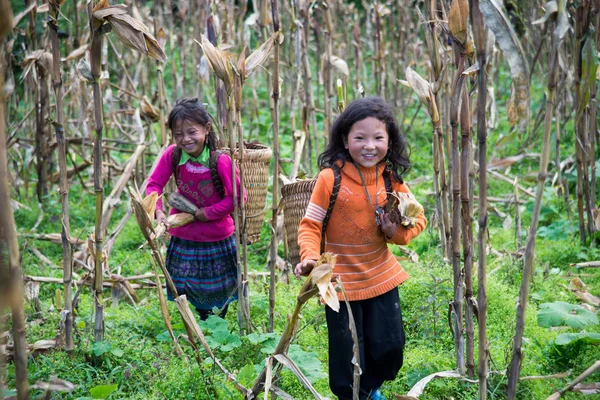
(181, 203)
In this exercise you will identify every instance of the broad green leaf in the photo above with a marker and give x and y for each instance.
(220, 336)
(100, 348)
(308, 362)
(117, 352)
(560, 313)
(231, 342)
(103, 391)
(247, 375)
(567, 338)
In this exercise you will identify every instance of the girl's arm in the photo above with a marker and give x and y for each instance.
(160, 175)
(224, 207)
(405, 234)
(309, 231)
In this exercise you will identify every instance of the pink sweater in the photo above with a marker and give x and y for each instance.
(195, 183)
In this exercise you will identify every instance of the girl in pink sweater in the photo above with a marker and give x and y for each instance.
(201, 257)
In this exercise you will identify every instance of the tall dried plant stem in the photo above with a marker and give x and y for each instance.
(59, 131)
(11, 280)
(160, 82)
(96, 65)
(439, 164)
(309, 100)
(581, 26)
(457, 303)
(562, 185)
(467, 229)
(379, 68)
(327, 78)
(479, 39)
(517, 355)
(275, 183)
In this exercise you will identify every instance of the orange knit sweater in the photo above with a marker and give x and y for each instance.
(364, 263)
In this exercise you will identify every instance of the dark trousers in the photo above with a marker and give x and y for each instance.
(204, 314)
(380, 339)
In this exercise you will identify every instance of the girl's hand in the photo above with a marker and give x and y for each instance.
(303, 268)
(388, 227)
(200, 216)
(161, 218)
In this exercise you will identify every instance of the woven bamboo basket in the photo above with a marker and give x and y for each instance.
(255, 167)
(296, 197)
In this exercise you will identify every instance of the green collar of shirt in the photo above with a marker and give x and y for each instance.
(202, 158)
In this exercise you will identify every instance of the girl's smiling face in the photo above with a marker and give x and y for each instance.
(367, 142)
(191, 136)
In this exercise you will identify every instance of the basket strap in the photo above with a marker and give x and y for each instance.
(337, 180)
(175, 159)
(214, 173)
(388, 183)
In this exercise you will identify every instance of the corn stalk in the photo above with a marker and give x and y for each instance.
(439, 164)
(96, 65)
(309, 101)
(11, 281)
(59, 131)
(479, 39)
(275, 184)
(517, 355)
(467, 229)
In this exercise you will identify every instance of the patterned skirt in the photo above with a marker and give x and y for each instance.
(206, 272)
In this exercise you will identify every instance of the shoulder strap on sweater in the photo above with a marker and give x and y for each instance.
(337, 180)
(388, 182)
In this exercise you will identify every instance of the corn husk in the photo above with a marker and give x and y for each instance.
(85, 71)
(219, 61)
(181, 203)
(458, 18)
(321, 277)
(340, 66)
(132, 32)
(173, 221)
(408, 207)
(424, 91)
(143, 209)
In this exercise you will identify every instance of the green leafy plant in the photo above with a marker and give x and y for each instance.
(560, 313)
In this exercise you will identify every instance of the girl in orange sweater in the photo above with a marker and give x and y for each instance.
(366, 148)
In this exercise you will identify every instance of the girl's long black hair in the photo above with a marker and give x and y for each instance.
(398, 154)
(191, 109)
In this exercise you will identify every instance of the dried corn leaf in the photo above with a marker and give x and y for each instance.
(496, 20)
(77, 53)
(551, 7)
(43, 345)
(32, 290)
(132, 32)
(321, 277)
(424, 91)
(458, 18)
(55, 385)
(419, 387)
(101, 4)
(219, 62)
(40, 58)
(259, 55)
(85, 71)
